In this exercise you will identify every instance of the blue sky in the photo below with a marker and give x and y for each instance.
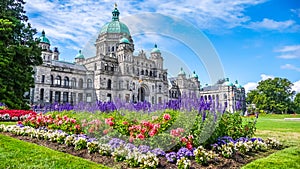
(254, 39)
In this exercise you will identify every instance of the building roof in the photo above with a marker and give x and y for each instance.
(124, 40)
(65, 64)
(181, 72)
(195, 75)
(155, 49)
(79, 55)
(43, 38)
(115, 26)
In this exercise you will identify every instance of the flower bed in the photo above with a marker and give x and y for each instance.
(15, 115)
(64, 123)
(143, 156)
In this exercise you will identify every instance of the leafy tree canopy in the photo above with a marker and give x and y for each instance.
(272, 95)
(19, 52)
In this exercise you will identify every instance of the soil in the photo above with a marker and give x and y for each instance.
(237, 161)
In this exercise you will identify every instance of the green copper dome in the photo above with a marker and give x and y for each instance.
(115, 26)
(79, 55)
(155, 49)
(227, 83)
(43, 38)
(181, 72)
(124, 40)
(238, 85)
(195, 75)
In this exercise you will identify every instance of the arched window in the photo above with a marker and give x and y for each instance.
(66, 82)
(146, 72)
(73, 83)
(108, 84)
(150, 73)
(80, 83)
(133, 86)
(89, 83)
(142, 72)
(58, 81)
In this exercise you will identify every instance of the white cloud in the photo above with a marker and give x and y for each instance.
(290, 67)
(296, 86)
(272, 24)
(265, 77)
(289, 52)
(252, 85)
(296, 11)
(75, 22)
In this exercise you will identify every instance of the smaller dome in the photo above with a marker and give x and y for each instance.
(155, 49)
(181, 72)
(79, 55)
(195, 75)
(124, 40)
(43, 38)
(227, 83)
(237, 85)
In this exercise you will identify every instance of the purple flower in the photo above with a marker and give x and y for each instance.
(184, 152)
(144, 148)
(158, 152)
(171, 157)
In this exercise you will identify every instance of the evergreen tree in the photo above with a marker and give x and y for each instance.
(19, 52)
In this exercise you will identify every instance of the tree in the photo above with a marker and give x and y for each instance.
(297, 103)
(19, 52)
(272, 95)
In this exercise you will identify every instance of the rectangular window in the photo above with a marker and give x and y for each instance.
(80, 97)
(88, 97)
(43, 78)
(57, 97)
(51, 96)
(65, 97)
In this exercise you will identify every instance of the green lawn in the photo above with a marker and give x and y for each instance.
(288, 132)
(19, 154)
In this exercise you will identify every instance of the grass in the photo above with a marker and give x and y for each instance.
(8, 122)
(287, 132)
(20, 154)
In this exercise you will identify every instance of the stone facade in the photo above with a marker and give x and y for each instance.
(115, 72)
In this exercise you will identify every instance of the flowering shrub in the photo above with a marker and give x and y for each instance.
(183, 163)
(64, 123)
(184, 152)
(171, 157)
(15, 115)
(93, 146)
(243, 146)
(202, 156)
(272, 143)
(143, 129)
(105, 149)
(80, 143)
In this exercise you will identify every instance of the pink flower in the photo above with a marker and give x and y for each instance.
(105, 131)
(125, 122)
(156, 126)
(140, 136)
(152, 133)
(184, 140)
(167, 116)
(143, 130)
(73, 121)
(110, 123)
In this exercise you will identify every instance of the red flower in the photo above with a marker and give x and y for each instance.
(167, 116)
(125, 122)
(189, 145)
